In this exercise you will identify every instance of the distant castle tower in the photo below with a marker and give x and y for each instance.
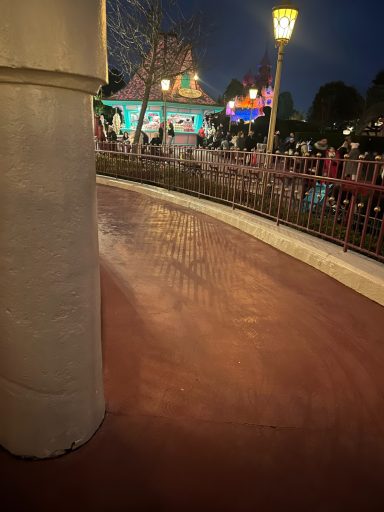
(249, 80)
(264, 77)
(245, 108)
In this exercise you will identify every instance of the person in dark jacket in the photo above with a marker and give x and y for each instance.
(171, 133)
(276, 142)
(290, 144)
(250, 141)
(240, 141)
(161, 132)
(112, 135)
(145, 138)
(156, 141)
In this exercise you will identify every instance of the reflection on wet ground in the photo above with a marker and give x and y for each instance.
(237, 379)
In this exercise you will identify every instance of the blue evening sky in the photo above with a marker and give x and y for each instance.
(333, 40)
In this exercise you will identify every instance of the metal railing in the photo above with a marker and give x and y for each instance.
(341, 201)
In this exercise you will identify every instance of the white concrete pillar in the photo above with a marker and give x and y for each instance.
(52, 58)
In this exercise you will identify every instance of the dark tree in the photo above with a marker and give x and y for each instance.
(297, 116)
(286, 107)
(370, 122)
(375, 93)
(235, 88)
(335, 102)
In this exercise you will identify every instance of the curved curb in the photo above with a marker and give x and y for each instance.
(356, 271)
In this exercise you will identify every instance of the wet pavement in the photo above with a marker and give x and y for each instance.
(237, 379)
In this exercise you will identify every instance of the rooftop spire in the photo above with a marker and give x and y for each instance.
(265, 60)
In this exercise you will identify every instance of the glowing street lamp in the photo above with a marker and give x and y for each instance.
(196, 77)
(165, 85)
(284, 19)
(253, 93)
(252, 96)
(231, 105)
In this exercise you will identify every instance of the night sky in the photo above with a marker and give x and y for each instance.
(333, 40)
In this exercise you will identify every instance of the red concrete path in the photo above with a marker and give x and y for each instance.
(237, 379)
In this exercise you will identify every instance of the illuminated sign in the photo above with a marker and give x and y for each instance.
(190, 93)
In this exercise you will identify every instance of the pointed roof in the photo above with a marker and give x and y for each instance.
(134, 91)
(184, 88)
(265, 60)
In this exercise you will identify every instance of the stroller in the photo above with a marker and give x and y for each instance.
(316, 195)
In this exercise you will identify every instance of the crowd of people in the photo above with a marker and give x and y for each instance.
(216, 137)
(335, 162)
(157, 138)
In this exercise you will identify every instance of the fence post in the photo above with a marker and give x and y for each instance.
(234, 190)
(280, 201)
(350, 220)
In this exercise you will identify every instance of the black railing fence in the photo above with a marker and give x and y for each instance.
(338, 200)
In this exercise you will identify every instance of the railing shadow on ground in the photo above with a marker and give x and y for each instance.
(341, 201)
(189, 253)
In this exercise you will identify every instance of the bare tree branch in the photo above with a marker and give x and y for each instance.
(152, 39)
